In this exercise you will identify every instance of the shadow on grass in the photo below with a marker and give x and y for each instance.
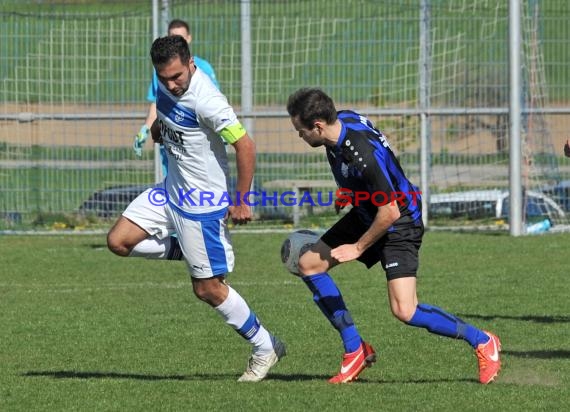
(97, 246)
(103, 375)
(223, 376)
(539, 354)
(150, 377)
(527, 318)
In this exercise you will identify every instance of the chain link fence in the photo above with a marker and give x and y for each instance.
(75, 74)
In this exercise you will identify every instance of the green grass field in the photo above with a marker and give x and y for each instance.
(82, 329)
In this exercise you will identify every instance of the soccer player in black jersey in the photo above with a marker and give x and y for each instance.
(384, 225)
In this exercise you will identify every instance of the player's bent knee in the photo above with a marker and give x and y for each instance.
(310, 266)
(210, 291)
(116, 246)
(403, 313)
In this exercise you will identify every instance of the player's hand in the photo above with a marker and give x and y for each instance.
(346, 253)
(240, 214)
(140, 140)
(567, 148)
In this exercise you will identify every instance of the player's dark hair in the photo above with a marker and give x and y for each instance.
(166, 48)
(177, 23)
(310, 104)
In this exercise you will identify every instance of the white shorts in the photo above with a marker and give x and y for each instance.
(205, 241)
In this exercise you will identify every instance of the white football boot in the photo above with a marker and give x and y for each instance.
(258, 366)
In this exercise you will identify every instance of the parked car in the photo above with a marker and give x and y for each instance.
(110, 202)
(477, 204)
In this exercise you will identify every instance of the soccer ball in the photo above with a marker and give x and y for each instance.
(294, 246)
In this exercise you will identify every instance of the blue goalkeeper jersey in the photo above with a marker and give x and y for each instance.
(363, 162)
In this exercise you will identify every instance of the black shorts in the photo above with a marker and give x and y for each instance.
(397, 250)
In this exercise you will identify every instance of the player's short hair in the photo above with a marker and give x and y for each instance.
(167, 48)
(177, 24)
(310, 104)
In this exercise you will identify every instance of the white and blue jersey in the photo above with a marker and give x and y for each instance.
(192, 201)
(362, 161)
(153, 88)
(190, 127)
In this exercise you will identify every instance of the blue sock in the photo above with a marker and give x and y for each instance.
(329, 300)
(250, 328)
(442, 323)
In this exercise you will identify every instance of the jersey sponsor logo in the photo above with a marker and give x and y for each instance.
(175, 111)
(177, 151)
(178, 115)
(392, 265)
(169, 133)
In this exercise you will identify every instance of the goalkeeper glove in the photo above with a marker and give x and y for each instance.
(140, 140)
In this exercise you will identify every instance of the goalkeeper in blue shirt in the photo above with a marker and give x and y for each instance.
(180, 28)
(384, 225)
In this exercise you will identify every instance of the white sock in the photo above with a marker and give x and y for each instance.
(239, 316)
(155, 248)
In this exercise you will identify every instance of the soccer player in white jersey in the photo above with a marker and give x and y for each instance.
(181, 28)
(194, 120)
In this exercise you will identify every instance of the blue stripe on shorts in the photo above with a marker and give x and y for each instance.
(214, 247)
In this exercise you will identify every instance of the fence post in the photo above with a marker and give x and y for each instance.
(516, 206)
(424, 101)
(246, 70)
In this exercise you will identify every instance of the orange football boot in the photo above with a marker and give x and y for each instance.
(354, 363)
(489, 360)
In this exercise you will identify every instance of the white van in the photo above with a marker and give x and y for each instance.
(476, 204)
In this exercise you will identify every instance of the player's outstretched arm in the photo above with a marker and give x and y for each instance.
(245, 160)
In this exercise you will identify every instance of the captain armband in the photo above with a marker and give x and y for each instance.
(233, 133)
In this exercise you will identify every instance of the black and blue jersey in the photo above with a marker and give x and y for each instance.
(363, 163)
